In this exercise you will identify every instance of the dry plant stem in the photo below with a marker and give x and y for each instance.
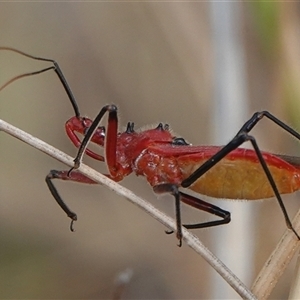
(277, 262)
(295, 287)
(191, 240)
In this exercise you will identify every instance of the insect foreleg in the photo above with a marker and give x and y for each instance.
(63, 175)
(111, 136)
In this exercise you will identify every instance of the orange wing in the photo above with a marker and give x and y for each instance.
(240, 175)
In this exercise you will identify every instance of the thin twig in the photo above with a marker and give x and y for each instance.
(295, 286)
(191, 240)
(277, 262)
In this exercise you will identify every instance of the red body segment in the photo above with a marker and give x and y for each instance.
(152, 153)
(237, 176)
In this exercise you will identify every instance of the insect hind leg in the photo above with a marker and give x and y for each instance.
(241, 137)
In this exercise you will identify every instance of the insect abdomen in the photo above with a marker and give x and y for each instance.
(242, 178)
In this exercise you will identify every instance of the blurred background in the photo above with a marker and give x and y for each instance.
(203, 68)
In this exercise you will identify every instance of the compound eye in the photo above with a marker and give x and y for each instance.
(179, 142)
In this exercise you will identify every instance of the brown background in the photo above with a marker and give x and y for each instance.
(155, 61)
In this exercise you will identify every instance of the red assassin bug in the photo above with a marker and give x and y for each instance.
(170, 163)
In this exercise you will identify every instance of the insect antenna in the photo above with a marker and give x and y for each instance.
(56, 69)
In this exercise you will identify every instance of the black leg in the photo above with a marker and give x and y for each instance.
(241, 137)
(207, 207)
(194, 202)
(173, 190)
(63, 175)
